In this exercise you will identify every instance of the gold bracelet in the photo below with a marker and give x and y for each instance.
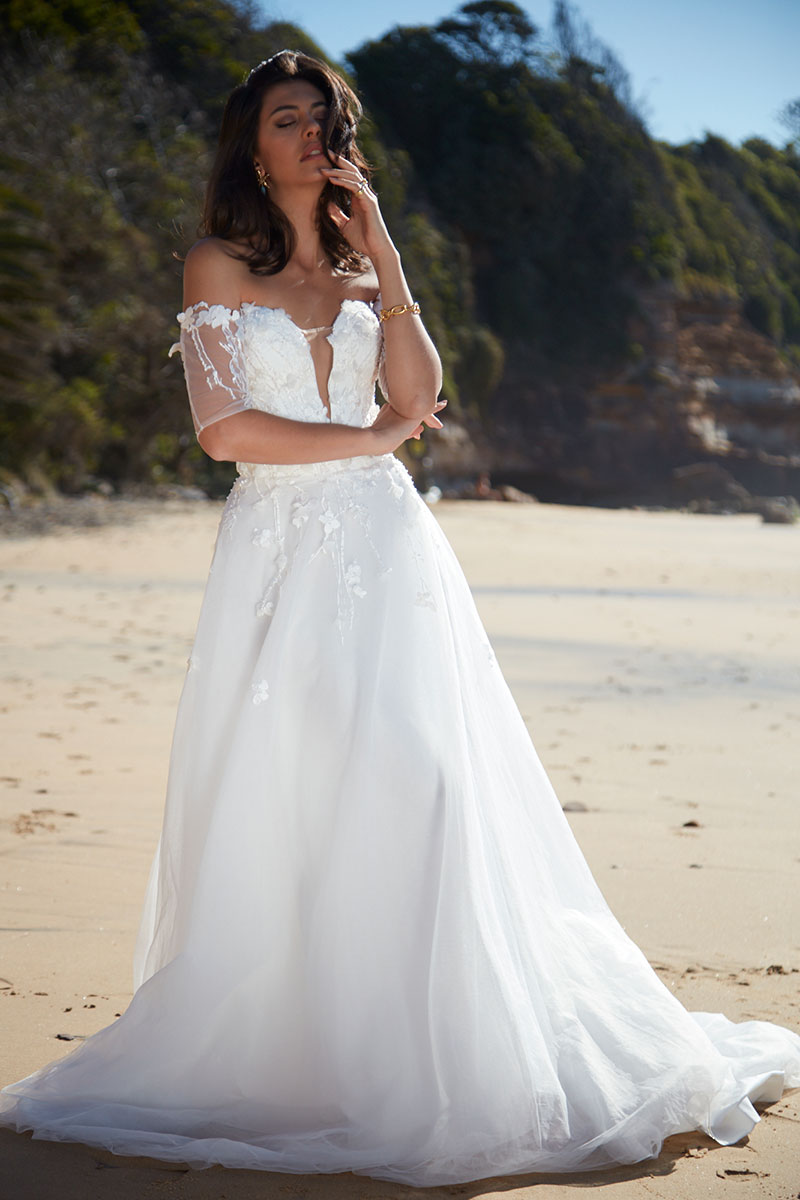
(398, 310)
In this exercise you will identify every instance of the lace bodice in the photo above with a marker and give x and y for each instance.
(257, 357)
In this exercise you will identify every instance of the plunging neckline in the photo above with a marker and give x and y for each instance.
(327, 408)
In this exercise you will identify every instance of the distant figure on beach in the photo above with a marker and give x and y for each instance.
(370, 941)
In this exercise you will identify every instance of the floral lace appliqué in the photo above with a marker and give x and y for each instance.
(338, 520)
(232, 506)
(213, 362)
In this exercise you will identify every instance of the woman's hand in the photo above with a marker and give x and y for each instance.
(365, 228)
(393, 429)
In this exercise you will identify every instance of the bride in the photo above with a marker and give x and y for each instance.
(370, 942)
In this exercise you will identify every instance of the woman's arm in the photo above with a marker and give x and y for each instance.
(411, 364)
(259, 437)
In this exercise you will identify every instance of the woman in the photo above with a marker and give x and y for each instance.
(370, 941)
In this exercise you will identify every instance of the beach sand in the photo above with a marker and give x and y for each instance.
(656, 660)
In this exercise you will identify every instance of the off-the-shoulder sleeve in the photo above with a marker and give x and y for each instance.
(377, 305)
(213, 362)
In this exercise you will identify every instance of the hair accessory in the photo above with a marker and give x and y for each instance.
(265, 63)
(397, 310)
(263, 178)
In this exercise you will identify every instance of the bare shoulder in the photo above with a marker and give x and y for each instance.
(366, 286)
(213, 273)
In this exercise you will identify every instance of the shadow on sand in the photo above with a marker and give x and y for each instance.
(33, 1169)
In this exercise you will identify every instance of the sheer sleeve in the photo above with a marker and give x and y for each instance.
(213, 362)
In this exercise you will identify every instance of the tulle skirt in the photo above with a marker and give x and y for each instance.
(370, 941)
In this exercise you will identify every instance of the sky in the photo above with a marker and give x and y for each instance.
(726, 66)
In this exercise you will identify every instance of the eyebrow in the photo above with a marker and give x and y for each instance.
(295, 107)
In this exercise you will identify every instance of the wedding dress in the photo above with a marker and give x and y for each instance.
(370, 941)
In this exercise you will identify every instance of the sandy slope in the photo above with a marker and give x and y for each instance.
(656, 658)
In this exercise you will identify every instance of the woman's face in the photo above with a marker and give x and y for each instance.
(289, 138)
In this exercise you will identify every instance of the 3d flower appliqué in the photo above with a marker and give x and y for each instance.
(330, 521)
(352, 579)
(301, 509)
(260, 691)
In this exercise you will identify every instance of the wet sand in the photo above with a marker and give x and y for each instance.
(656, 660)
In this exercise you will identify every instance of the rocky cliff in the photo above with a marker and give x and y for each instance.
(706, 389)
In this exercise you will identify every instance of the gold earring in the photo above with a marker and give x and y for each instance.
(263, 178)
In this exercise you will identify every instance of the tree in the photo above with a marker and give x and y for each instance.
(491, 32)
(789, 117)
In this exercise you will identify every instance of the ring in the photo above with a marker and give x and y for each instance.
(361, 187)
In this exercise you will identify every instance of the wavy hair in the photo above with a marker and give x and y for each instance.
(235, 208)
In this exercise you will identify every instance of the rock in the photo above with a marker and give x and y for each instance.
(776, 510)
(507, 492)
(709, 487)
(177, 491)
(9, 496)
(472, 489)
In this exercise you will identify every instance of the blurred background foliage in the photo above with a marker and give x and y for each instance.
(526, 195)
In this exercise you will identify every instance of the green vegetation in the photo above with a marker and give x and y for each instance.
(528, 199)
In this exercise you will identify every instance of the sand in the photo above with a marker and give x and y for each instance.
(656, 660)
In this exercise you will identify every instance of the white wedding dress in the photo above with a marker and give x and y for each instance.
(371, 942)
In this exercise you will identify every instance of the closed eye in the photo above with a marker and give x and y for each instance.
(319, 115)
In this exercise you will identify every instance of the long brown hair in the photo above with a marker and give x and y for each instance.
(235, 209)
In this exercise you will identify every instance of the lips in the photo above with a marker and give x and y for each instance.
(312, 152)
